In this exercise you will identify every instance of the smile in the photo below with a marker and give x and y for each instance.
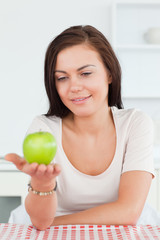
(81, 99)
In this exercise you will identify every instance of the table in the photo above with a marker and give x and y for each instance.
(78, 232)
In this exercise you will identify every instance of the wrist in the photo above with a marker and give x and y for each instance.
(43, 186)
(44, 193)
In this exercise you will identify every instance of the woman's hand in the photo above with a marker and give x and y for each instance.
(40, 173)
(41, 210)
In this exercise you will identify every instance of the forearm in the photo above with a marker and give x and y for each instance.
(41, 209)
(133, 190)
(114, 213)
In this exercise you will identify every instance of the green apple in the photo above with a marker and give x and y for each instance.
(39, 147)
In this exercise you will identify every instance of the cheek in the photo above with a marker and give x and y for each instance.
(61, 92)
(101, 85)
(59, 88)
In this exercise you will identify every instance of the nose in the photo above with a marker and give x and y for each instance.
(76, 85)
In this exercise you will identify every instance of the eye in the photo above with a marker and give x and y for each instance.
(86, 74)
(61, 78)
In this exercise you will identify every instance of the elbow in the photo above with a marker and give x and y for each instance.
(131, 217)
(135, 217)
(41, 225)
(39, 220)
(131, 220)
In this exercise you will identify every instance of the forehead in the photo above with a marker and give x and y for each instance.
(77, 55)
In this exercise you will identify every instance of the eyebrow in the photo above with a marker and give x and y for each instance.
(85, 66)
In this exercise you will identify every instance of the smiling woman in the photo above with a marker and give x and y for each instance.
(104, 152)
(84, 37)
(76, 82)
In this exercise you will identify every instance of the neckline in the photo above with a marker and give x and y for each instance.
(108, 170)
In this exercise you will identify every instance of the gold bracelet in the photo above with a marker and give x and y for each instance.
(41, 193)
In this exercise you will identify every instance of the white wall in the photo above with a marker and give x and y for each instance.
(26, 28)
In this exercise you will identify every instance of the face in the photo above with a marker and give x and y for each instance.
(82, 80)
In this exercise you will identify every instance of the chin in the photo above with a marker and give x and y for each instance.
(83, 114)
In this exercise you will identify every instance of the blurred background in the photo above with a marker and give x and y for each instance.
(26, 29)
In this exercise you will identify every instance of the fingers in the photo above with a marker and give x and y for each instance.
(51, 170)
(30, 169)
(41, 170)
(15, 159)
(57, 169)
(34, 169)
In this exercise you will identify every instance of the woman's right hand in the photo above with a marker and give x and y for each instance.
(41, 174)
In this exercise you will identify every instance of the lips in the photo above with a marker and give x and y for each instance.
(80, 99)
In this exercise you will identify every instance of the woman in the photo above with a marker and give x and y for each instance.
(104, 165)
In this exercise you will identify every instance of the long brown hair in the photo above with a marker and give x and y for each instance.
(73, 36)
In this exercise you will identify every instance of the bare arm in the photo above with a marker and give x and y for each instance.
(41, 209)
(133, 191)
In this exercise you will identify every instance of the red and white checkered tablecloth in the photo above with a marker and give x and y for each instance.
(79, 232)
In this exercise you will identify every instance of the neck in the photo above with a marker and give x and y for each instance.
(93, 125)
